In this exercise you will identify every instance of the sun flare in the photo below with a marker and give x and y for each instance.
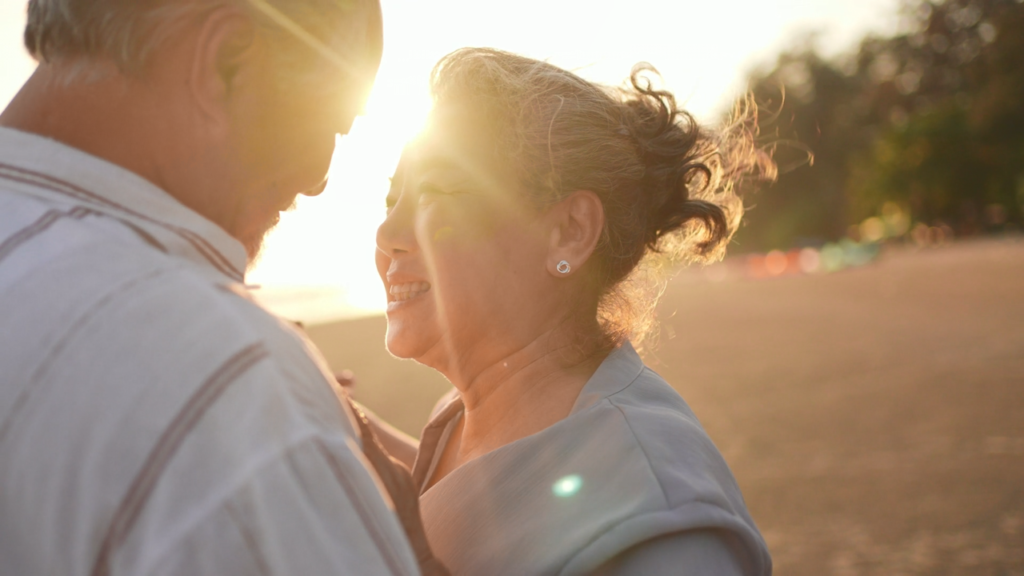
(318, 264)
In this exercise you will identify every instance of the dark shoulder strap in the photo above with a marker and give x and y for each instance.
(398, 482)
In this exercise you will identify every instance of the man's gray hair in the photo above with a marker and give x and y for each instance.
(127, 31)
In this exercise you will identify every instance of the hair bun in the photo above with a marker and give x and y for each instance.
(689, 173)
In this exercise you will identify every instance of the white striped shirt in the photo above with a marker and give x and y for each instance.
(153, 420)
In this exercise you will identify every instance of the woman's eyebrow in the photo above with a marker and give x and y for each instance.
(435, 163)
(395, 184)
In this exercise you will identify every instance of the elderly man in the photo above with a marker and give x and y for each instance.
(153, 420)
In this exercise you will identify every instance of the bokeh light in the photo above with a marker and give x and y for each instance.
(567, 486)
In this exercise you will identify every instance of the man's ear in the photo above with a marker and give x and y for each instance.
(225, 54)
(577, 225)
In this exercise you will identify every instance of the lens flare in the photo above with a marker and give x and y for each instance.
(567, 486)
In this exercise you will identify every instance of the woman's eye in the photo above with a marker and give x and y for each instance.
(430, 192)
(431, 188)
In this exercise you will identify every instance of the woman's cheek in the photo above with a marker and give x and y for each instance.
(436, 231)
(458, 247)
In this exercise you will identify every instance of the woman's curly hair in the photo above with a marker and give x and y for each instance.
(668, 185)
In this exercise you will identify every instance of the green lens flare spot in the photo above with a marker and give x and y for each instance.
(567, 486)
(444, 233)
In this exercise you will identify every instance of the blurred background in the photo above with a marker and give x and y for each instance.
(859, 357)
(919, 132)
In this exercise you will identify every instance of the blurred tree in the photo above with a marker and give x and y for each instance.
(931, 119)
(812, 104)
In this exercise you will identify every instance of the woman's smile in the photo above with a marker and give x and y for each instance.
(407, 291)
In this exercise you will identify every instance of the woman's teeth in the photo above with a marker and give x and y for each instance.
(409, 290)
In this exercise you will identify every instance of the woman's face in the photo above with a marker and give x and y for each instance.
(461, 255)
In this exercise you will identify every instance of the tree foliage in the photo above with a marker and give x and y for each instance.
(930, 120)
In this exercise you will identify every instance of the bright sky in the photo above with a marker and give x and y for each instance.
(318, 263)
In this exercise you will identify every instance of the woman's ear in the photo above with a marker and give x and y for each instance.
(577, 225)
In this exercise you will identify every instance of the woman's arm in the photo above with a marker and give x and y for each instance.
(692, 553)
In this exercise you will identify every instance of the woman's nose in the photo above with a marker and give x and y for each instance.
(395, 235)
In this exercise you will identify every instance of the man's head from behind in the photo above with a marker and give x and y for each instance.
(231, 106)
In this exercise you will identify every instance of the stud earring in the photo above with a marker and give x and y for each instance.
(563, 267)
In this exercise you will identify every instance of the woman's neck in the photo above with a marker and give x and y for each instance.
(521, 393)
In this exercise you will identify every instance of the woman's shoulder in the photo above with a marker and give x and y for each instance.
(649, 395)
(671, 441)
(654, 415)
(657, 433)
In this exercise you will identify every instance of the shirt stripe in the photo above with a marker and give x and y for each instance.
(145, 236)
(368, 519)
(171, 439)
(19, 238)
(244, 529)
(214, 256)
(53, 354)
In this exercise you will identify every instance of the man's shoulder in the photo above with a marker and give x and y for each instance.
(106, 266)
(110, 292)
(93, 304)
(138, 336)
(186, 314)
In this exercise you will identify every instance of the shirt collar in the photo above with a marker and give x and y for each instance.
(615, 373)
(46, 168)
(618, 371)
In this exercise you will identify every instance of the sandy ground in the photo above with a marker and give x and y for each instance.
(873, 417)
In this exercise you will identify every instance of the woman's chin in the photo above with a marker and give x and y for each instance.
(411, 328)
(402, 344)
(397, 351)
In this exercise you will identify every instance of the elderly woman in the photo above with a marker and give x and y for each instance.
(523, 227)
